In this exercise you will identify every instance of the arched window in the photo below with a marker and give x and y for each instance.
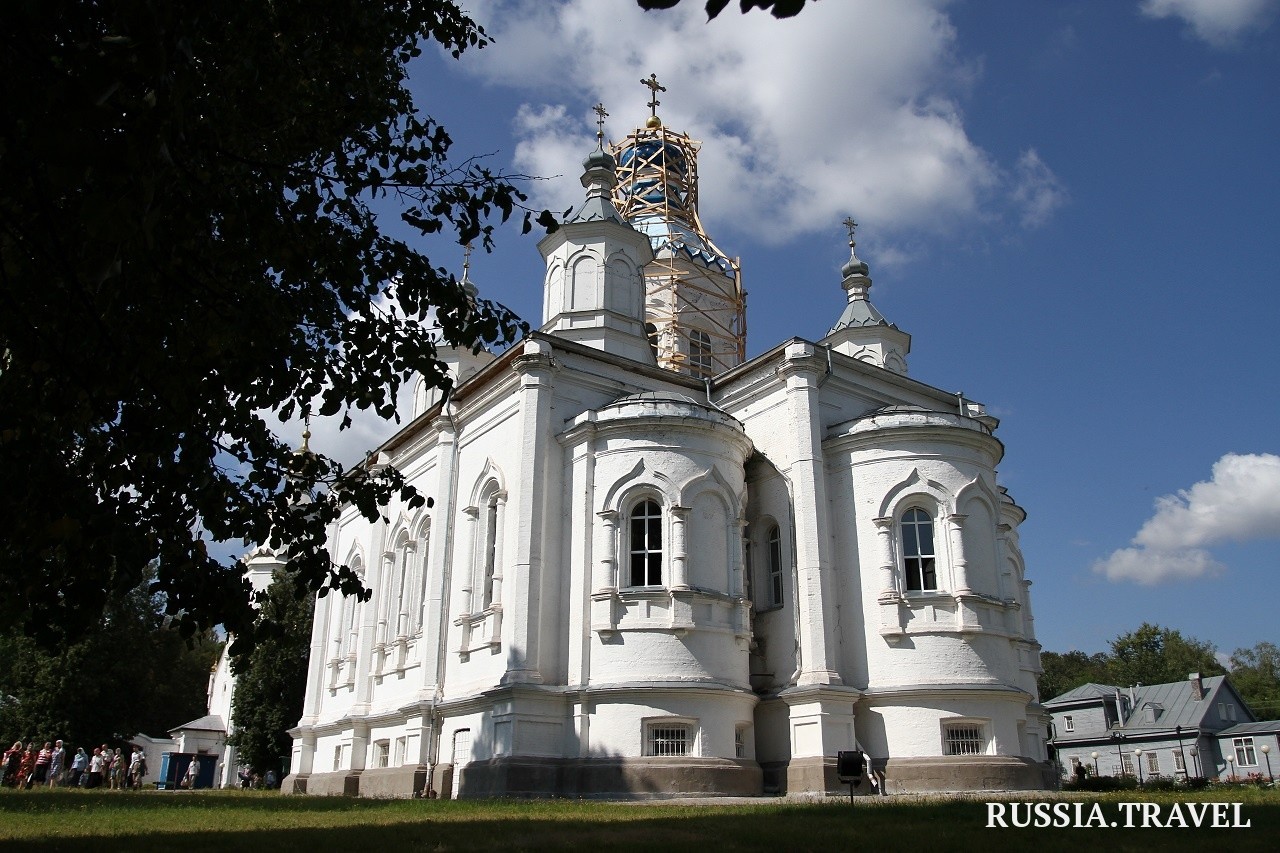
(645, 544)
(700, 353)
(917, 551)
(419, 584)
(490, 546)
(775, 566)
(397, 605)
(484, 578)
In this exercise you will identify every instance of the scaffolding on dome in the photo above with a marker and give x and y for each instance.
(695, 308)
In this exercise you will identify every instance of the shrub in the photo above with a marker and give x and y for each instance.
(1102, 783)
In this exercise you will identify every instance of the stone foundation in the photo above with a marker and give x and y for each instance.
(962, 773)
(628, 778)
(407, 781)
(344, 783)
(815, 775)
(658, 778)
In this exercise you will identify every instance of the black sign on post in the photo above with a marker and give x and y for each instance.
(849, 768)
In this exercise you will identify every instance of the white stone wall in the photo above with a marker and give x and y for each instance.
(567, 464)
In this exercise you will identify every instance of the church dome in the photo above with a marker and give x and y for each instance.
(599, 159)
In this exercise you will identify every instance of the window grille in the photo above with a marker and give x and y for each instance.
(740, 742)
(667, 740)
(964, 740)
(1153, 762)
(1126, 763)
(381, 749)
(1069, 724)
(1179, 762)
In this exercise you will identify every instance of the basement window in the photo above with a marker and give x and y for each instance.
(667, 739)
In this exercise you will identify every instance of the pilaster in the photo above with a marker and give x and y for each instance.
(536, 371)
(679, 547)
(821, 724)
(435, 625)
(815, 588)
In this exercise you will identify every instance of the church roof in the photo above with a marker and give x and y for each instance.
(858, 313)
(657, 397)
(680, 239)
(596, 210)
(889, 417)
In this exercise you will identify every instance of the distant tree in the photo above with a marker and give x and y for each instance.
(188, 249)
(778, 8)
(1066, 671)
(127, 674)
(1256, 674)
(271, 683)
(1155, 655)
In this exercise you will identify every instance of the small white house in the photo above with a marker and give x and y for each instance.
(207, 735)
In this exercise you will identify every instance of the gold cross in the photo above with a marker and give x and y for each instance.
(654, 89)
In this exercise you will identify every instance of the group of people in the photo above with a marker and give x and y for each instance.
(27, 767)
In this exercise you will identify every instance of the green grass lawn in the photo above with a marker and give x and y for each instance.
(226, 821)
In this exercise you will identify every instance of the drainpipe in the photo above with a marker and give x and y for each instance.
(830, 369)
(707, 382)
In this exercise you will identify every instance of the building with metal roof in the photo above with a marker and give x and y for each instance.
(1197, 727)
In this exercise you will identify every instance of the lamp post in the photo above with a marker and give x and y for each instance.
(1118, 740)
(1231, 767)
(1178, 731)
(1094, 755)
(1137, 756)
(1266, 753)
(1195, 755)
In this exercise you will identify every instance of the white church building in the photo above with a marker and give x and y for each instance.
(654, 567)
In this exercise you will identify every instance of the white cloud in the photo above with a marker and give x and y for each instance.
(1147, 567)
(1241, 502)
(1221, 23)
(850, 107)
(1036, 190)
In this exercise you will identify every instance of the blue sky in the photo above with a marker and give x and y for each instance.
(1071, 207)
